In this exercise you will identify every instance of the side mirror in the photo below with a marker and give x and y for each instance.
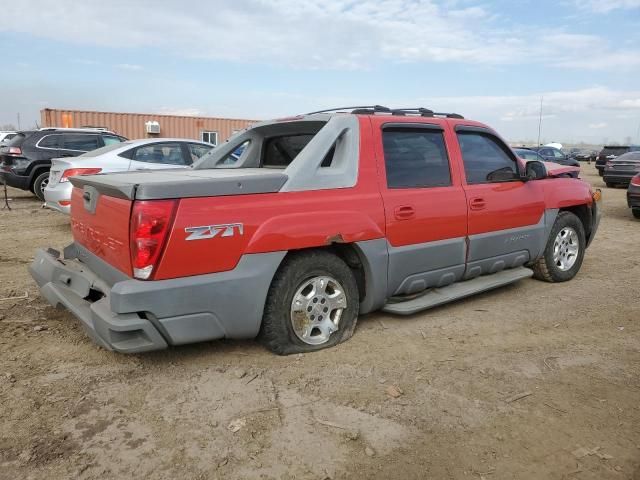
(535, 170)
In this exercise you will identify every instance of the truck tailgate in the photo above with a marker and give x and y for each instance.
(101, 225)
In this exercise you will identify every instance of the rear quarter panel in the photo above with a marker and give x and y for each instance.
(276, 221)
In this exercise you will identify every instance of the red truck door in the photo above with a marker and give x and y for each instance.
(425, 206)
(506, 222)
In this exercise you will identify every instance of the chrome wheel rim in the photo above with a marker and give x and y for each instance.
(44, 184)
(566, 248)
(316, 309)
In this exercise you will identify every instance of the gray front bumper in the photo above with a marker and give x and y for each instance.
(134, 316)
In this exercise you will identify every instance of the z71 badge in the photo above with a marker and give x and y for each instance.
(210, 231)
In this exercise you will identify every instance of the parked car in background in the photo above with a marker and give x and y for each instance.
(620, 170)
(633, 195)
(565, 170)
(609, 152)
(5, 136)
(555, 155)
(25, 161)
(584, 155)
(146, 154)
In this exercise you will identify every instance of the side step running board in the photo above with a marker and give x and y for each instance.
(455, 291)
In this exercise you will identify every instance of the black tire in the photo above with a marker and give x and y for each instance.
(277, 332)
(601, 173)
(636, 212)
(610, 184)
(39, 184)
(545, 268)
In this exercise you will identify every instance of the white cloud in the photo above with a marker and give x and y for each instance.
(129, 66)
(598, 126)
(317, 34)
(605, 6)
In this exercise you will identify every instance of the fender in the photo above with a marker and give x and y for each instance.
(566, 192)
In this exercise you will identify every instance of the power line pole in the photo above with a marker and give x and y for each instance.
(540, 121)
(19, 121)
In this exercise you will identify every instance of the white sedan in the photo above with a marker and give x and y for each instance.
(155, 153)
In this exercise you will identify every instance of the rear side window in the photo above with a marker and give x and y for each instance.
(111, 139)
(279, 152)
(197, 150)
(50, 141)
(80, 142)
(167, 153)
(415, 158)
(486, 159)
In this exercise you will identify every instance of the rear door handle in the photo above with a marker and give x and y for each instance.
(477, 203)
(404, 212)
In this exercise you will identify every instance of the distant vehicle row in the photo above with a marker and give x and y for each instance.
(609, 152)
(26, 159)
(149, 154)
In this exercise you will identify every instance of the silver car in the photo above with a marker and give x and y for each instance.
(146, 154)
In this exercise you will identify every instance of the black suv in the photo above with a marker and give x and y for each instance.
(26, 159)
(609, 152)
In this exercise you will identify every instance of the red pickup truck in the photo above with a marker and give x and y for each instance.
(296, 226)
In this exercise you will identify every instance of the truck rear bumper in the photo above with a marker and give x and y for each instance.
(133, 316)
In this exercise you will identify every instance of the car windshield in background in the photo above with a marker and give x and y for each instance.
(527, 154)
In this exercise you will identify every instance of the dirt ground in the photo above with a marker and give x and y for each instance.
(233, 410)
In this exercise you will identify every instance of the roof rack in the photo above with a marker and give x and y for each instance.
(81, 129)
(374, 109)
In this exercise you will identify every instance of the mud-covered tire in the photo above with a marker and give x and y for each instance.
(548, 270)
(277, 329)
(39, 185)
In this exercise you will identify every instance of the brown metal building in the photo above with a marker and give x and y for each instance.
(143, 125)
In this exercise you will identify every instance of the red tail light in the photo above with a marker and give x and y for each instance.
(72, 172)
(635, 181)
(15, 151)
(151, 222)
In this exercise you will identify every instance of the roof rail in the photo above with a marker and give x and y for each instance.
(373, 109)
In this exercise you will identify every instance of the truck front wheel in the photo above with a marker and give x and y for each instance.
(312, 304)
(564, 251)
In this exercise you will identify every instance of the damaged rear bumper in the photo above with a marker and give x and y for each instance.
(132, 316)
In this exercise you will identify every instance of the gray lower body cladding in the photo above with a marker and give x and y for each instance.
(136, 316)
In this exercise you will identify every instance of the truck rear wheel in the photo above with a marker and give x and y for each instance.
(312, 304)
(564, 251)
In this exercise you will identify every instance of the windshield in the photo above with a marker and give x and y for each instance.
(100, 151)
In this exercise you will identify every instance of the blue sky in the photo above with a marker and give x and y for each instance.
(491, 61)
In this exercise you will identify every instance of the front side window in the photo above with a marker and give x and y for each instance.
(80, 142)
(486, 159)
(50, 141)
(167, 153)
(415, 158)
(210, 137)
